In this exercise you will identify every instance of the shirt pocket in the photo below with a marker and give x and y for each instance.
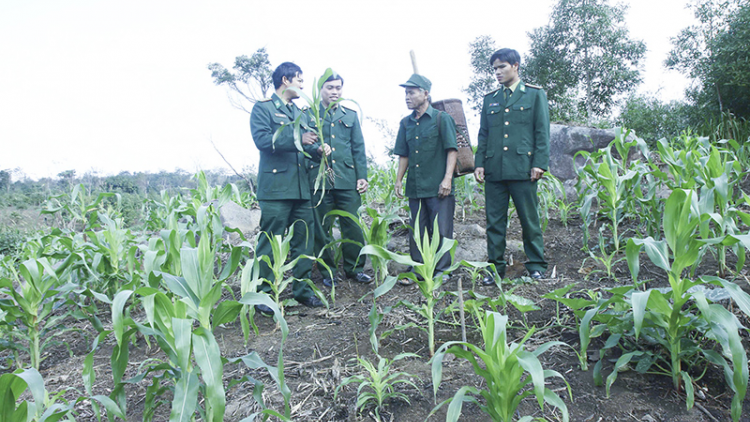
(494, 115)
(522, 113)
(275, 179)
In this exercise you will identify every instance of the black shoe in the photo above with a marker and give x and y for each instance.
(328, 282)
(362, 278)
(536, 275)
(263, 309)
(490, 281)
(312, 302)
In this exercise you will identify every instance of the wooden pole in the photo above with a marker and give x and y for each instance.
(414, 61)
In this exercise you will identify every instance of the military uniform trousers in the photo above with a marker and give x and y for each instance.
(497, 196)
(275, 217)
(347, 200)
(429, 209)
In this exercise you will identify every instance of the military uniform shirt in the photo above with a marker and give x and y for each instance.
(342, 131)
(513, 134)
(282, 173)
(427, 152)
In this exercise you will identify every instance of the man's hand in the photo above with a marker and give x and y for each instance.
(309, 138)
(445, 187)
(479, 174)
(362, 185)
(324, 148)
(536, 173)
(397, 187)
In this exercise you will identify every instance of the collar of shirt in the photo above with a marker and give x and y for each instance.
(277, 101)
(429, 112)
(514, 86)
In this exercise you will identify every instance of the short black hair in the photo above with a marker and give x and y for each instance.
(335, 77)
(288, 69)
(506, 55)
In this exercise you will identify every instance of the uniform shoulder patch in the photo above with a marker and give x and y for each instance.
(349, 108)
(492, 92)
(534, 86)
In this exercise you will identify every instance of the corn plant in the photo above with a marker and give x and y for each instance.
(507, 368)
(382, 190)
(253, 361)
(468, 191)
(376, 233)
(551, 191)
(43, 408)
(610, 182)
(672, 320)
(79, 207)
(32, 304)
(377, 385)
(594, 315)
(280, 247)
(431, 282)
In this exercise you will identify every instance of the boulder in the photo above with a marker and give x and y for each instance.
(566, 141)
(246, 220)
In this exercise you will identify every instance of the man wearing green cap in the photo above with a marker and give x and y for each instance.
(348, 160)
(283, 187)
(512, 155)
(426, 146)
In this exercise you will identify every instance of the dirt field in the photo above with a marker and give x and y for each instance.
(322, 345)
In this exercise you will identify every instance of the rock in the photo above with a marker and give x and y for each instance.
(566, 141)
(235, 217)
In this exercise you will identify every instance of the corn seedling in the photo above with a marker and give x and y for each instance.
(431, 249)
(507, 368)
(280, 247)
(43, 408)
(377, 385)
(375, 234)
(672, 320)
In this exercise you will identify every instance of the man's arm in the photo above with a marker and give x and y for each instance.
(403, 164)
(359, 155)
(448, 134)
(450, 166)
(540, 162)
(481, 146)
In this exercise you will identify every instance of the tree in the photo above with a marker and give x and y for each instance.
(482, 75)
(714, 52)
(5, 179)
(584, 58)
(67, 178)
(250, 81)
(652, 119)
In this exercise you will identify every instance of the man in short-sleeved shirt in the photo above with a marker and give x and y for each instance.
(428, 151)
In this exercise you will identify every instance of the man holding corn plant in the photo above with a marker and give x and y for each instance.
(283, 186)
(426, 146)
(512, 155)
(348, 159)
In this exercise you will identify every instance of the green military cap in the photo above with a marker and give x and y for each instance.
(418, 81)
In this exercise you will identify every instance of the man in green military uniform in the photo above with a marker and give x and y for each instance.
(512, 155)
(348, 160)
(426, 146)
(283, 186)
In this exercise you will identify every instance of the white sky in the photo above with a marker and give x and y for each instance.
(110, 86)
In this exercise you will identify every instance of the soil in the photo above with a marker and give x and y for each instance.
(323, 344)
